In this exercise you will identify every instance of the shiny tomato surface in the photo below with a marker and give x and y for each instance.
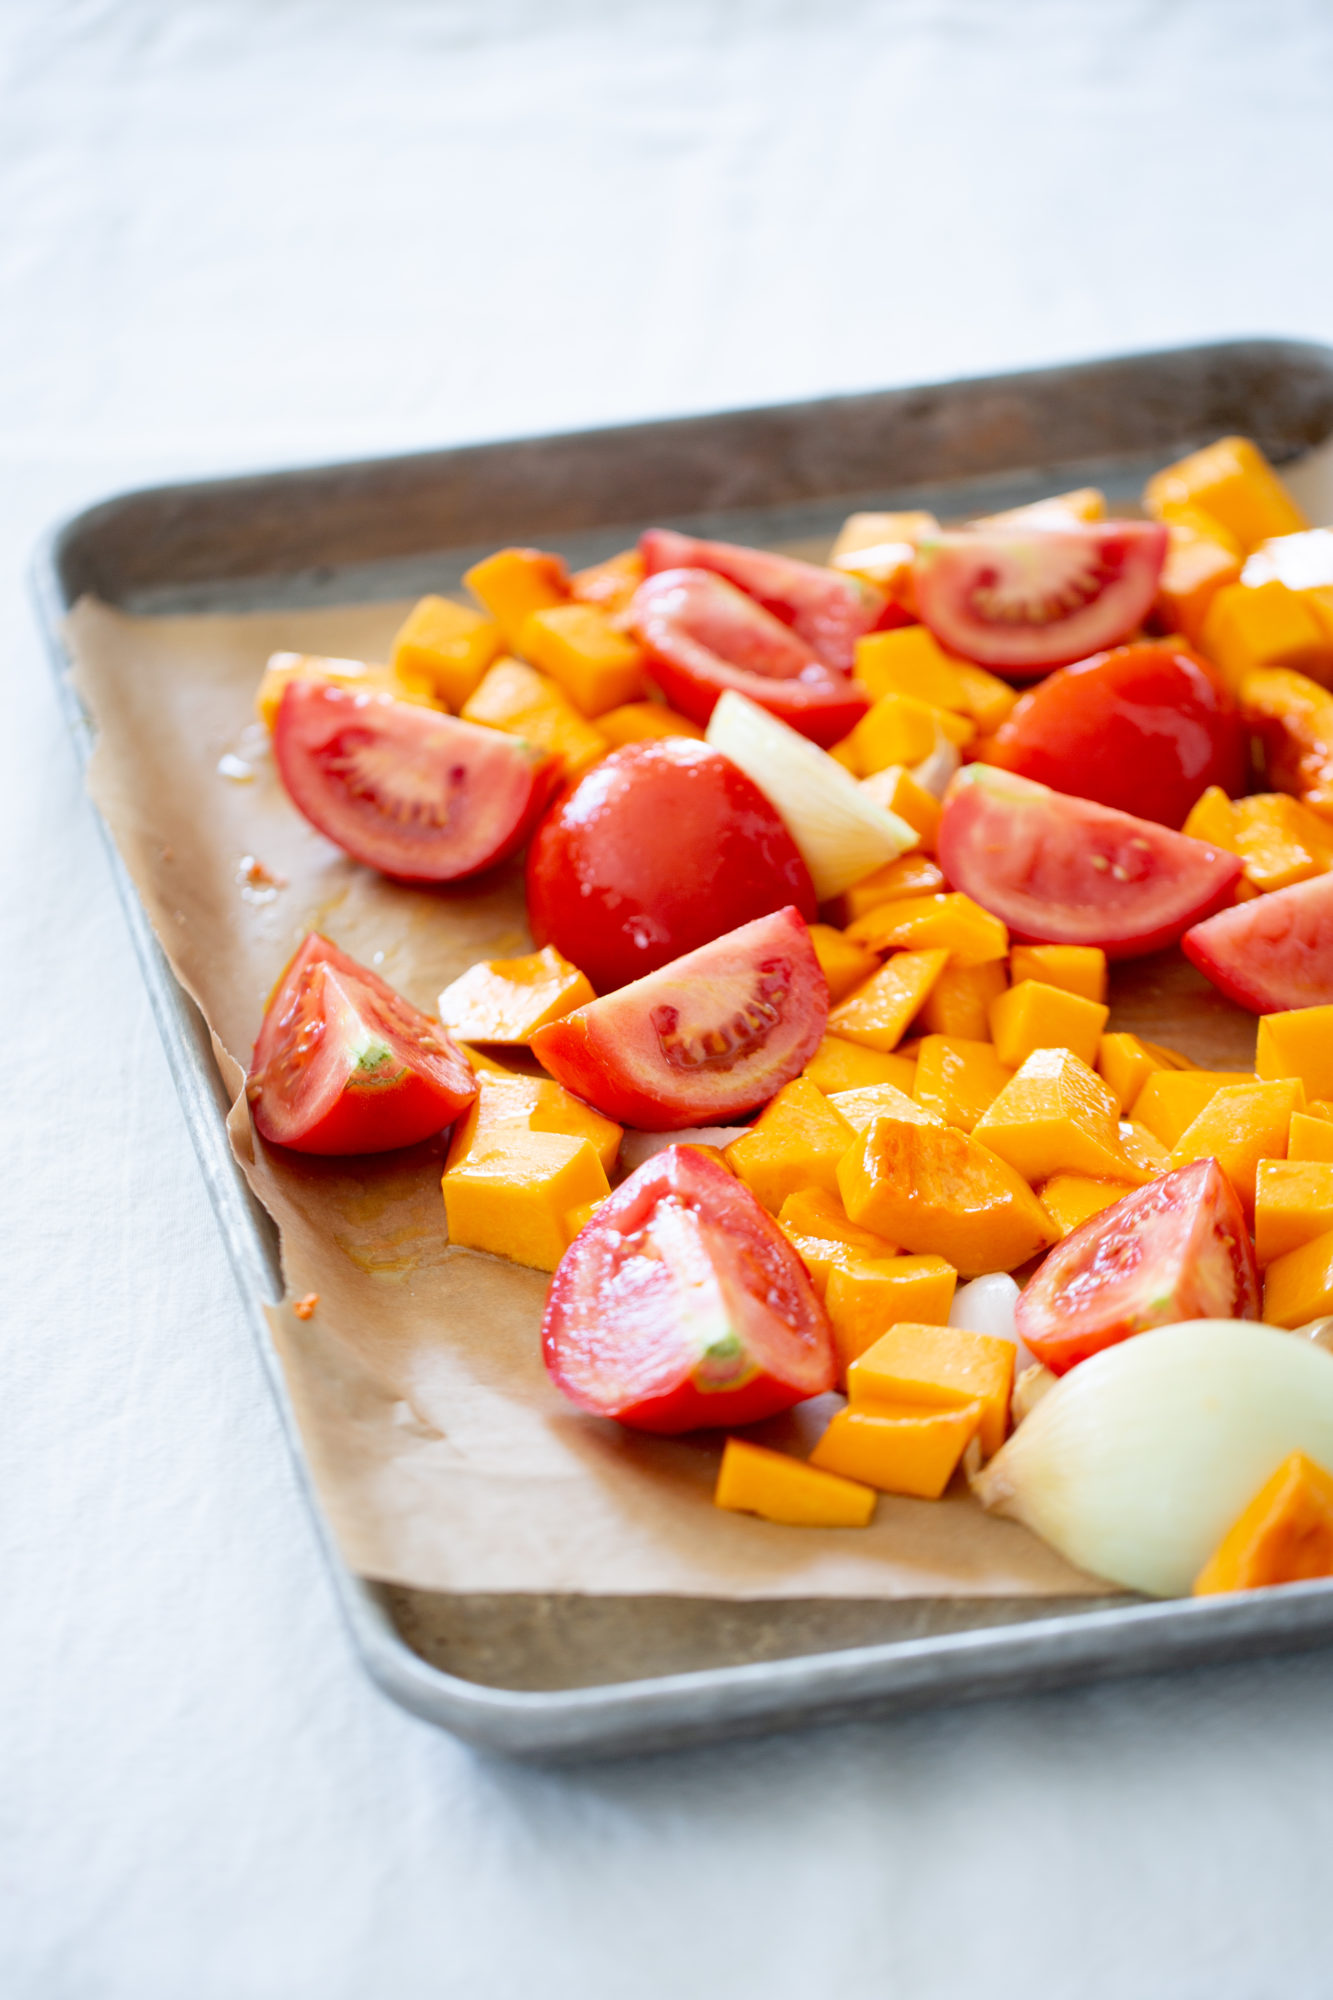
(706, 1039)
(703, 635)
(1174, 1250)
(1145, 728)
(419, 795)
(1272, 952)
(343, 1064)
(682, 1305)
(1060, 870)
(659, 848)
(825, 607)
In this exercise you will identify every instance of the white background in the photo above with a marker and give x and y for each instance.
(244, 232)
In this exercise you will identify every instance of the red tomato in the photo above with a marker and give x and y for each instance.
(709, 1037)
(1177, 1249)
(343, 1064)
(660, 848)
(702, 635)
(682, 1305)
(1274, 952)
(827, 609)
(419, 795)
(1024, 600)
(1064, 871)
(1145, 728)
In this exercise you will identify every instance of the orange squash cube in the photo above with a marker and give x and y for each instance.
(1285, 1535)
(908, 1450)
(578, 646)
(1234, 482)
(899, 729)
(610, 584)
(1293, 1203)
(913, 874)
(513, 583)
(523, 1200)
(1056, 1116)
(898, 792)
(1124, 1064)
(1072, 1199)
(951, 922)
(1143, 1147)
(507, 1103)
(937, 1190)
(1240, 1125)
(909, 660)
(1034, 1015)
(443, 649)
(867, 531)
(865, 1295)
(1212, 817)
(820, 1231)
(942, 1367)
(360, 676)
(880, 1100)
(508, 999)
(1298, 1043)
(1298, 1286)
(844, 963)
(1280, 840)
(795, 1143)
(879, 1013)
(1309, 1137)
(958, 1079)
(837, 1065)
(644, 722)
(1171, 1100)
(516, 698)
(1074, 968)
(1262, 626)
(754, 1480)
(1197, 566)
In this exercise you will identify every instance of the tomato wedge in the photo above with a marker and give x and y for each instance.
(708, 1038)
(682, 1305)
(1024, 600)
(419, 795)
(1273, 952)
(1174, 1250)
(343, 1064)
(660, 848)
(1145, 728)
(1060, 870)
(827, 608)
(702, 634)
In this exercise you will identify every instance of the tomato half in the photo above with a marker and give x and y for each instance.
(1024, 600)
(1060, 870)
(708, 1038)
(1174, 1250)
(827, 608)
(702, 634)
(343, 1064)
(1273, 952)
(1145, 728)
(419, 795)
(682, 1305)
(660, 848)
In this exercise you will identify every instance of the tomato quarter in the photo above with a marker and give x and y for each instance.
(1274, 952)
(343, 1064)
(681, 1305)
(1061, 870)
(827, 608)
(660, 848)
(419, 795)
(707, 1038)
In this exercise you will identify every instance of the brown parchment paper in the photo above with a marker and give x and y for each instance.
(443, 1457)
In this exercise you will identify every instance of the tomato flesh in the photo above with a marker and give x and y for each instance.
(682, 1306)
(1177, 1249)
(826, 608)
(343, 1064)
(705, 1039)
(702, 635)
(660, 848)
(1025, 599)
(1145, 728)
(1060, 870)
(1272, 953)
(419, 795)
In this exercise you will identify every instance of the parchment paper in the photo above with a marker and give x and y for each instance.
(442, 1455)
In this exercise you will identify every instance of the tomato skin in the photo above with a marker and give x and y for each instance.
(703, 1040)
(314, 1083)
(718, 1326)
(1061, 870)
(421, 796)
(701, 635)
(1273, 952)
(826, 608)
(1145, 728)
(1177, 1249)
(1023, 599)
(660, 848)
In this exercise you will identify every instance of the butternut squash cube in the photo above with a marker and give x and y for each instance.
(513, 583)
(942, 1367)
(1034, 1015)
(1233, 481)
(822, 1234)
(508, 999)
(644, 722)
(516, 698)
(359, 676)
(837, 1065)
(1212, 817)
(796, 1142)
(754, 1480)
(1074, 968)
(1171, 1100)
(880, 1100)
(898, 792)
(1293, 1203)
(1298, 1286)
(578, 646)
(937, 1190)
(959, 1002)
(952, 922)
(899, 729)
(1197, 566)
(865, 531)
(523, 1201)
(958, 1079)
(843, 962)
(913, 874)
(1298, 1043)
(1280, 840)
(910, 661)
(1263, 626)
(1056, 1116)
(865, 1295)
(443, 649)
(1072, 1199)
(611, 584)
(1240, 1125)
(1124, 1064)
(1309, 1137)
(905, 1450)
(507, 1103)
(1285, 1535)
(988, 699)
(1143, 1147)
(879, 1013)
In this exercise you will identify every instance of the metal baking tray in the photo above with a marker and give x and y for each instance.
(564, 1677)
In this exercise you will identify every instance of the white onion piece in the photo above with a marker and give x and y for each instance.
(987, 1306)
(842, 835)
(1139, 1460)
(934, 772)
(636, 1147)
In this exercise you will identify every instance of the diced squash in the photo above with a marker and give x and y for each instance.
(1197, 566)
(1284, 1535)
(1298, 1286)
(910, 661)
(1071, 1199)
(1298, 1043)
(508, 999)
(516, 698)
(1309, 1137)
(1143, 1147)
(1074, 968)
(837, 1065)
(843, 962)
(1232, 481)
(611, 584)
(444, 648)
(796, 1142)
(578, 646)
(813, 1211)
(1280, 840)
(899, 729)
(485, 1065)
(643, 722)
(754, 1480)
(958, 1079)
(513, 583)
(506, 1103)
(1240, 1125)
(1293, 1203)
(942, 1367)
(1171, 1100)
(951, 922)
(1034, 1015)
(913, 874)
(865, 1295)
(523, 1201)
(988, 699)
(867, 531)
(935, 1189)
(959, 1001)
(879, 1013)
(1264, 626)
(1212, 817)
(1056, 1116)
(908, 1450)
(1197, 521)
(1124, 1064)
(359, 676)
(880, 1100)
(898, 792)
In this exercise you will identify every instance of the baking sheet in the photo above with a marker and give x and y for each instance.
(442, 1456)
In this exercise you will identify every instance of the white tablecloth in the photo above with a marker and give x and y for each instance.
(234, 233)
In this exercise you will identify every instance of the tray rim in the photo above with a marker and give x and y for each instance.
(661, 1711)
